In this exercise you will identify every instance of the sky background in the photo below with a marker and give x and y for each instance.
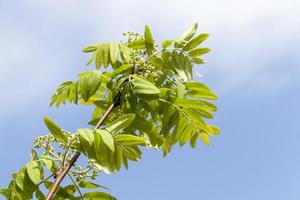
(254, 68)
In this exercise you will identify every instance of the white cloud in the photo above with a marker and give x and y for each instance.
(254, 42)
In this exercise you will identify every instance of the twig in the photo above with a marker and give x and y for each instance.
(65, 169)
(45, 179)
(75, 184)
(66, 151)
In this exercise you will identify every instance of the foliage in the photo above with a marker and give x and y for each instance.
(160, 105)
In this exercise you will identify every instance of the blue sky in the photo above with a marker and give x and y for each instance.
(254, 67)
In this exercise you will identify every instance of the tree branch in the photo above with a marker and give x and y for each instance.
(65, 169)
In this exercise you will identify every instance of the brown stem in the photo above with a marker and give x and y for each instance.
(65, 169)
(106, 114)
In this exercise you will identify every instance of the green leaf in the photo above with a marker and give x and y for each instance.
(118, 158)
(186, 36)
(125, 162)
(66, 91)
(107, 139)
(122, 68)
(212, 130)
(132, 153)
(66, 192)
(199, 90)
(86, 142)
(126, 139)
(24, 184)
(90, 185)
(149, 42)
(195, 117)
(181, 65)
(55, 130)
(193, 85)
(121, 123)
(187, 135)
(34, 155)
(89, 83)
(90, 48)
(87, 135)
(140, 123)
(39, 195)
(198, 103)
(157, 61)
(202, 94)
(180, 89)
(105, 54)
(195, 41)
(190, 120)
(114, 52)
(99, 59)
(97, 54)
(49, 163)
(193, 140)
(183, 124)
(198, 51)
(98, 196)
(166, 147)
(137, 44)
(20, 178)
(166, 43)
(204, 137)
(34, 171)
(143, 86)
(215, 129)
(195, 103)
(125, 51)
(4, 192)
(198, 60)
(169, 119)
(91, 59)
